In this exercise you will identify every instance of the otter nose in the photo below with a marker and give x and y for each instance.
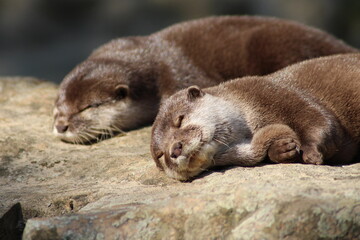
(61, 128)
(176, 150)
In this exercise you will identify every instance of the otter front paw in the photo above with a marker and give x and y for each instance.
(284, 150)
(311, 155)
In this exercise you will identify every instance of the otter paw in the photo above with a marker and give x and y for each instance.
(311, 155)
(284, 150)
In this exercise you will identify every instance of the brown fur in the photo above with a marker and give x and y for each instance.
(203, 52)
(312, 108)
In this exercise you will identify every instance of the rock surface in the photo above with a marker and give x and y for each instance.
(112, 189)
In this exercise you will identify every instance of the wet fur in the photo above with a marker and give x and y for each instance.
(203, 52)
(308, 112)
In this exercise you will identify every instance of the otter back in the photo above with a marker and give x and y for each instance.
(119, 87)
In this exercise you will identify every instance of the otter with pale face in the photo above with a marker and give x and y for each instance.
(119, 87)
(308, 112)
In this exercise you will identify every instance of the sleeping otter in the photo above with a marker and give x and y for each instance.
(120, 85)
(312, 108)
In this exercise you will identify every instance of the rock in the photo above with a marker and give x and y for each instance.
(12, 223)
(112, 189)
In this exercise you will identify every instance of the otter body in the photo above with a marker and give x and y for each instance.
(308, 112)
(120, 85)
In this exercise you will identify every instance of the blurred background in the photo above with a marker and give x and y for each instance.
(47, 38)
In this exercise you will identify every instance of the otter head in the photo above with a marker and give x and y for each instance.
(101, 97)
(190, 128)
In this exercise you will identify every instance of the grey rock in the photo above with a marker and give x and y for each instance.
(112, 189)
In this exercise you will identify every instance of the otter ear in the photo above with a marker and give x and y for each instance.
(121, 91)
(194, 92)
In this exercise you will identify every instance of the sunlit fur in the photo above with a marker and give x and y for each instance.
(98, 123)
(314, 104)
(211, 125)
(203, 52)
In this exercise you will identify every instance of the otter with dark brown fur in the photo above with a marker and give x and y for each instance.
(120, 85)
(312, 107)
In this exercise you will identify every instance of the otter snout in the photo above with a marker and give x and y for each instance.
(177, 156)
(61, 128)
(61, 123)
(176, 150)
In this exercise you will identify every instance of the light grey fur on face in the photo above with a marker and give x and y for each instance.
(91, 122)
(221, 126)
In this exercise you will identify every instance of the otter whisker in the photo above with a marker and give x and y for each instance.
(109, 131)
(95, 134)
(95, 131)
(99, 130)
(221, 142)
(77, 140)
(106, 133)
(92, 135)
(87, 136)
(83, 139)
(100, 136)
(117, 129)
(224, 136)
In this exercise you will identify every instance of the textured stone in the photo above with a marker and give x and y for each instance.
(112, 189)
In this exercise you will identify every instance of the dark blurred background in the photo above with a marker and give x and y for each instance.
(47, 38)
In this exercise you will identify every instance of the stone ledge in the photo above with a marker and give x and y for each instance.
(113, 189)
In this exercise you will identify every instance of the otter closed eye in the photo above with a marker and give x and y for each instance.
(178, 121)
(94, 105)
